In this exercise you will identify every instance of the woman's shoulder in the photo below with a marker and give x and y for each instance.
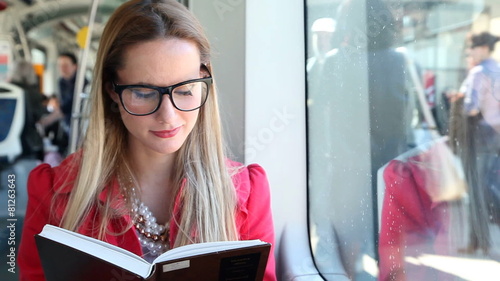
(246, 173)
(248, 179)
(45, 178)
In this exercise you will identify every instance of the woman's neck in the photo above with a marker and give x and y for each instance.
(153, 173)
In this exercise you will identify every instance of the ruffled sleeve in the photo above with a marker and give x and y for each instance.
(40, 182)
(254, 218)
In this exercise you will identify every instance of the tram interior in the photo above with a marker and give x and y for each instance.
(334, 178)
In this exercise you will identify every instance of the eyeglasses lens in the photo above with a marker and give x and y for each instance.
(186, 97)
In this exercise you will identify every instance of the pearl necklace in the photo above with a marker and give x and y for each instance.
(152, 236)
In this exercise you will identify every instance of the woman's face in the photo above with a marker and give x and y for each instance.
(161, 62)
(478, 54)
(66, 67)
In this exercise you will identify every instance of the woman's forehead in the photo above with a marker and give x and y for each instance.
(160, 62)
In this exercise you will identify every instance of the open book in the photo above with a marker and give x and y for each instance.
(66, 255)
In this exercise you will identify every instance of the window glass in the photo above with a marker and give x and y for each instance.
(403, 106)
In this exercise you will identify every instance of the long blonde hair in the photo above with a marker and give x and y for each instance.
(208, 197)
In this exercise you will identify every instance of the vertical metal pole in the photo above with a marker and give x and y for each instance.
(80, 78)
(24, 41)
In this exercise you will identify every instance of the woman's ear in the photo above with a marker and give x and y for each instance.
(111, 92)
(204, 70)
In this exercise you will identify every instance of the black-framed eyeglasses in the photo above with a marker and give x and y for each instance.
(143, 100)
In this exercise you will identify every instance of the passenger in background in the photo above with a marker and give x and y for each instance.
(322, 45)
(481, 105)
(463, 141)
(373, 49)
(482, 85)
(365, 72)
(322, 48)
(42, 137)
(25, 77)
(68, 65)
(57, 123)
(451, 94)
(152, 173)
(444, 205)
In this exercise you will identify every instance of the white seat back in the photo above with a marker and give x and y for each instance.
(12, 112)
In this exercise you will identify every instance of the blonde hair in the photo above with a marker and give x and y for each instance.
(208, 196)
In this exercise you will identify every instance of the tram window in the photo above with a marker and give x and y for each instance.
(403, 138)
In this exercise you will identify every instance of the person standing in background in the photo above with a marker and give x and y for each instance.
(482, 107)
(322, 44)
(25, 77)
(67, 65)
(482, 85)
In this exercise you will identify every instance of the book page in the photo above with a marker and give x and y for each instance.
(98, 248)
(204, 248)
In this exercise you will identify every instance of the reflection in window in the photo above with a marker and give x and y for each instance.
(403, 101)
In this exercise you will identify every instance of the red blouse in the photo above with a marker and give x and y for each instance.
(253, 218)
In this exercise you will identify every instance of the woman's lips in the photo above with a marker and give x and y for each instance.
(166, 133)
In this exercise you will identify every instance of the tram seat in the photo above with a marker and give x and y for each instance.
(296, 262)
(12, 113)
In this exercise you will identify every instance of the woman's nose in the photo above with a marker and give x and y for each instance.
(167, 110)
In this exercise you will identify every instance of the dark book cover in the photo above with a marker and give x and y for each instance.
(244, 264)
(62, 263)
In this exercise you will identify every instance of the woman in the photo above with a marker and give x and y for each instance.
(152, 162)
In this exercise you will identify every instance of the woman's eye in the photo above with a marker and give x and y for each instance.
(183, 91)
(144, 93)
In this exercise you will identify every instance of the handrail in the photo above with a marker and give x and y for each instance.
(80, 79)
(24, 41)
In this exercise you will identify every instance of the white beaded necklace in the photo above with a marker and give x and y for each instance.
(154, 238)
